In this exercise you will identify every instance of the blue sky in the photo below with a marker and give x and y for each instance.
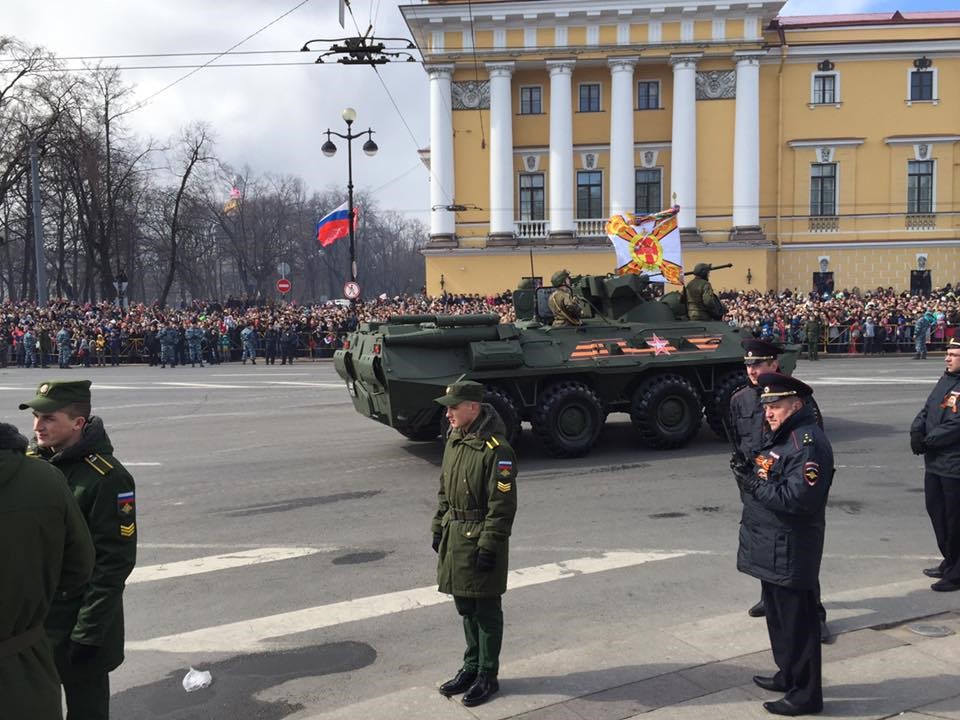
(818, 7)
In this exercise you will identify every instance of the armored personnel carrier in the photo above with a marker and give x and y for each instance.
(631, 353)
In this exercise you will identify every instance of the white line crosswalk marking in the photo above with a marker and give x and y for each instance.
(255, 634)
(212, 563)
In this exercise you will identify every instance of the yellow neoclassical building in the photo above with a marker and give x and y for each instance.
(793, 145)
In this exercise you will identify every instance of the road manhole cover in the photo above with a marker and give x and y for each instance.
(930, 630)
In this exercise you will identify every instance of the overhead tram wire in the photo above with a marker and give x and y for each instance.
(476, 73)
(183, 77)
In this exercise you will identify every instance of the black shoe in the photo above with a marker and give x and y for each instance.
(481, 691)
(825, 637)
(934, 572)
(768, 683)
(785, 707)
(945, 586)
(461, 682)
(757, 610)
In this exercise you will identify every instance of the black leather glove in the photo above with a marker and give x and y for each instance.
(486, 560)
(78, 654)
(740, 466)
(918, 442)
(436, 542)
(748, 483)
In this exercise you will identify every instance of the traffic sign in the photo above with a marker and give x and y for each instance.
(284, 286)
(351, 290)
(283, 269)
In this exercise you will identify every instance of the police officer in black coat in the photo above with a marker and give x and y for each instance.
(781, 539)
(935, 434)
(751, 432)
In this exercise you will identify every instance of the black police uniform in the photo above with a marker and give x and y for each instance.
(935, 433)
(781, 544)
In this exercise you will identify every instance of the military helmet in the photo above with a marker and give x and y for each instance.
(559, 277)
(701, 270)
(525, 284)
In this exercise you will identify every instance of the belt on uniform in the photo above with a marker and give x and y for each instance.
(19, 643)
(466, 515)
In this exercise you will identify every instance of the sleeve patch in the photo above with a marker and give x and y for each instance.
(504, 487)
(811, 473)
(128, 531)
(504, 468)
(126, 504)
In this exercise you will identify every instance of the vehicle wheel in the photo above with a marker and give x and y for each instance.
(507, 410)
(666, 411)
(423, 434)
(568, 419)
(717, 406)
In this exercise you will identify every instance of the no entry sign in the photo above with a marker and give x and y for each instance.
(284, 286)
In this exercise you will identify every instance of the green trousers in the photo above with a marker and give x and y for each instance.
(483, 631)
(89, 698)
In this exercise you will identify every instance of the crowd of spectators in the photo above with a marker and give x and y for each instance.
(876, 321)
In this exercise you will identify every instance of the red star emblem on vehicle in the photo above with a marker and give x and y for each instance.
(659, 345)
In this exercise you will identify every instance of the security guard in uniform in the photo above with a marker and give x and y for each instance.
(563, 305)
(471, 527)
(48, 552)
(750, 432)
(781, 539)
(702, 302)
(85, 628)
(935, 434)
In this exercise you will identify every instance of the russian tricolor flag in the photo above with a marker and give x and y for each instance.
(335, 225)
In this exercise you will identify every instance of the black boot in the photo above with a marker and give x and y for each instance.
(757, 610)
(482, 690)
(460, 682)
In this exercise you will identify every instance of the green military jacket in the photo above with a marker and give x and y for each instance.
(702, 302)
(476, 507)
(812, 329)
(47, 551)
(564, 306)
(104, 490)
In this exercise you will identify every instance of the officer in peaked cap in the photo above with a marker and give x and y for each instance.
(471, 527)
(781, 539)
(85, 628)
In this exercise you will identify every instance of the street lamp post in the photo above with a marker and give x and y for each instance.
(370, 148)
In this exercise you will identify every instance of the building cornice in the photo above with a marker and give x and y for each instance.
(821, 142)
(920, 139)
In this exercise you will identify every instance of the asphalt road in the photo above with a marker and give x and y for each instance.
(285, 543)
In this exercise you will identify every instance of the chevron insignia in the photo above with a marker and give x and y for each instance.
(504, 487)
(128, 530)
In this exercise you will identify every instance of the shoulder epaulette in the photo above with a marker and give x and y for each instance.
(98, 463)
(492, 442)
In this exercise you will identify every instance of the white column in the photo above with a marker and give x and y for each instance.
(746, 143)
(683, 144)
(442, 222)
(561, 148)
(622, 176)
(501, 151)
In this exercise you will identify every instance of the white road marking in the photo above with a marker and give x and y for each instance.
(142, 464)
(207, 386)
(861, 380)
(212, 563)
(304, 383)
(256, 634)
(259, 374)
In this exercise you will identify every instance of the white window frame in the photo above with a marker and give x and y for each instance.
(836, 88)
(520, 99)
(936, 87)
(933, 187)
(659, 94)
(836, 187)
(599, 96)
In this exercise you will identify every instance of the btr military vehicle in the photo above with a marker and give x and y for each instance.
(632, 353)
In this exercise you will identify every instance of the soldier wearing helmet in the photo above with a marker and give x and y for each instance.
(702, 303)
(563, 304)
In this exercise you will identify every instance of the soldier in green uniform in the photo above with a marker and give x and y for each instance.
(85, 628)
(563, 305)
(477, 504)
(702, 302)
(48, 552)
(813, 331)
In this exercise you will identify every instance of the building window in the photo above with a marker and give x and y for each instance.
(531, 101)
(823, 189)
(920, 186)
(590, 97)
(589, 194)
(825, 89)
(921, 85)
(531, 197)
(648, 191)
(648, 95)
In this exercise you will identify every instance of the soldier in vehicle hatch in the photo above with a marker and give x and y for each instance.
(563, 305)
(702, 303)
